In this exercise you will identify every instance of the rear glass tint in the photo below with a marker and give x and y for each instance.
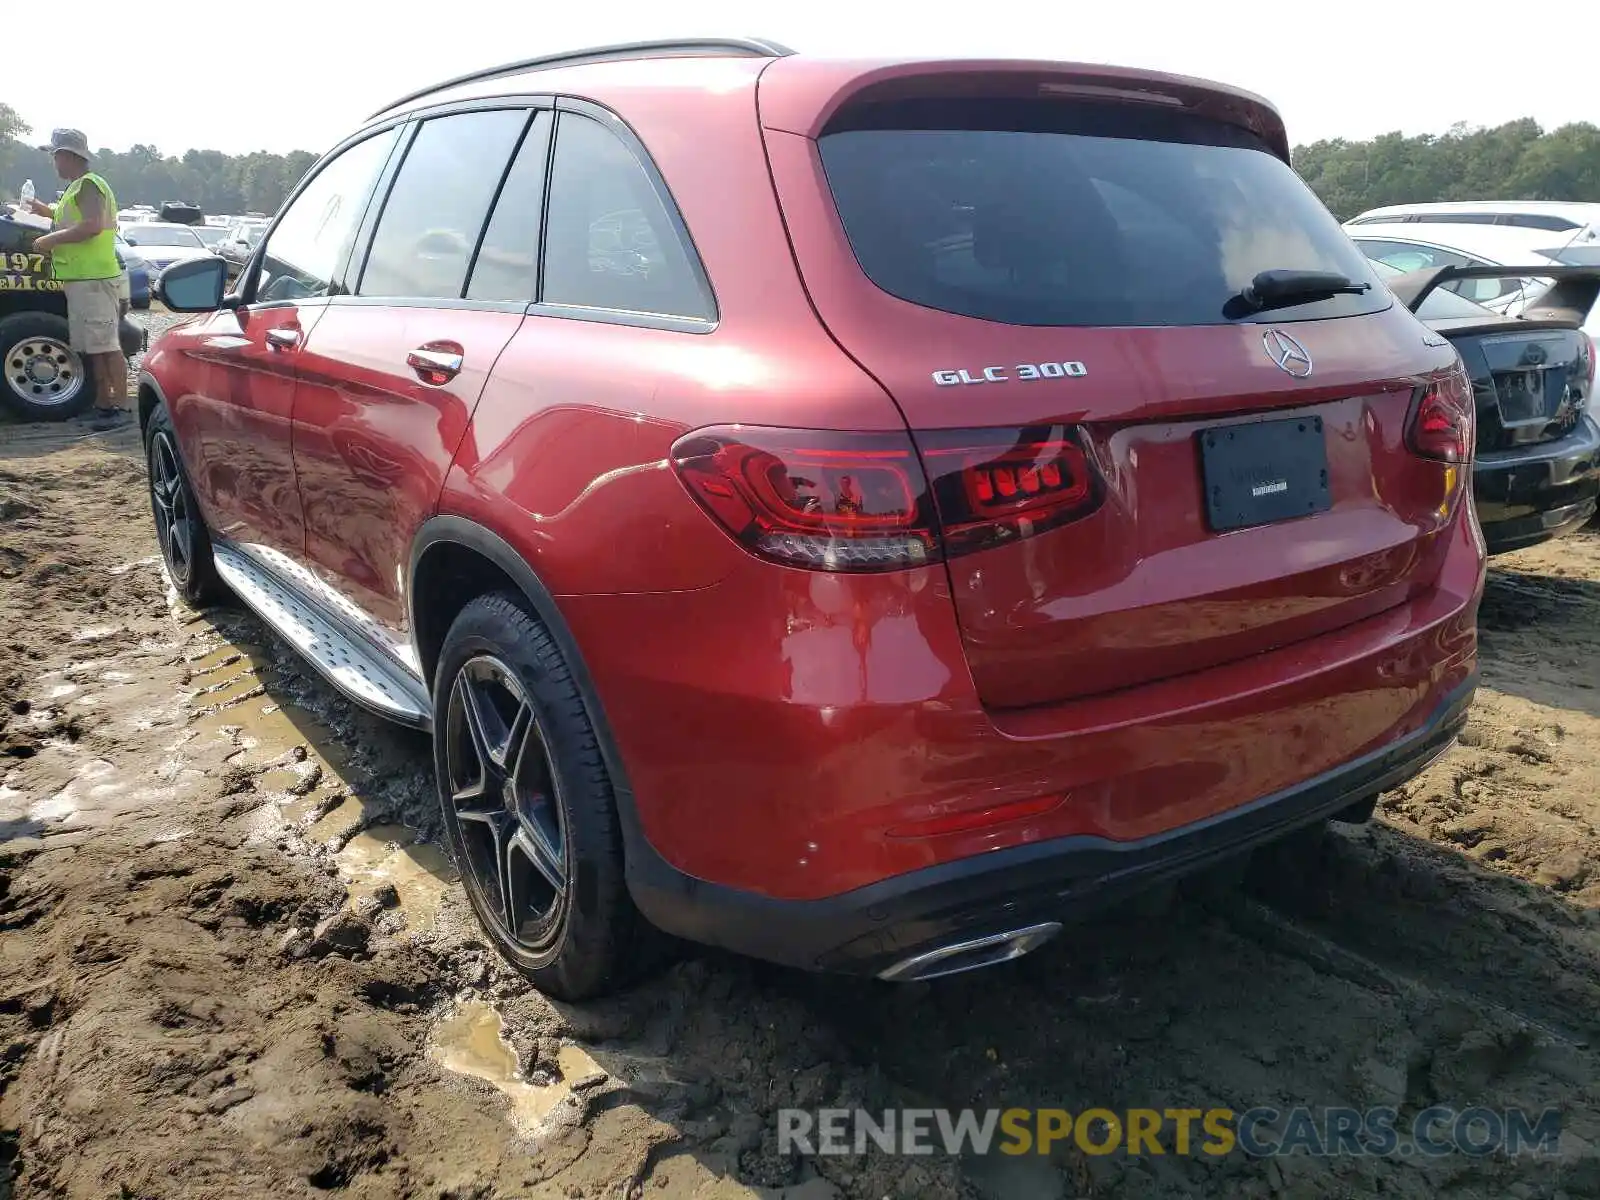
(1034, 213)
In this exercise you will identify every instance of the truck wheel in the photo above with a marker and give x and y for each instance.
(44, 379)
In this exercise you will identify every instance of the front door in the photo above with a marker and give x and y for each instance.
(238, 419)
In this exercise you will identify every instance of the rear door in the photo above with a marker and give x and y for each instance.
(390, 375)
(1055, 288)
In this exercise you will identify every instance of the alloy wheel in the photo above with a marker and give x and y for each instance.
(505, 799)
(170, 503)
(44, 371)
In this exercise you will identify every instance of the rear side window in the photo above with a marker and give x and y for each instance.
(436, 209)
(611, 239)
(1034, 213)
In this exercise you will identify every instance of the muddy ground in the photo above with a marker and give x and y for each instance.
(234, 964)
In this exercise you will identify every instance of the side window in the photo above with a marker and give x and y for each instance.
(315, 233)
(507, 267)
(1409, 256)
(436, 208)
(610, 240)
(1539, 221)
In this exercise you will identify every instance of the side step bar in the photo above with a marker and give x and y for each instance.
(349, 663)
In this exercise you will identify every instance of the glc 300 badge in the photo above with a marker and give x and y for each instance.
(1021, 371)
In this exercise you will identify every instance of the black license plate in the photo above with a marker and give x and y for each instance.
(1264, 471)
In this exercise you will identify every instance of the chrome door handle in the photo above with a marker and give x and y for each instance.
(437, 367)
(283, 338)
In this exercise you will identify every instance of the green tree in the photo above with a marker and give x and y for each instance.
(12, 130)
(142, 174)
(1514, 161)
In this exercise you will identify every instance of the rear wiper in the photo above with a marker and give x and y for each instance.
(1284, 289)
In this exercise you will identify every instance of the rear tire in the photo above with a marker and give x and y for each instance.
(41, 377)
(180, 529)
(528, 805)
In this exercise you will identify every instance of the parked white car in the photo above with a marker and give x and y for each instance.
(1413, 247)
(1580, 221)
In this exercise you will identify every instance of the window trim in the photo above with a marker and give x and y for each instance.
(614, 124)
(528, 130)
(383, 183)
(369, 230)
(251, 276)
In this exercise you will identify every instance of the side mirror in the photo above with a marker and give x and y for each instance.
(132, 241)
(193, 285)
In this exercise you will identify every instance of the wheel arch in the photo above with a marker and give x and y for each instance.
(14, 303)
(150, 395)
(453, 561)
(659, 889)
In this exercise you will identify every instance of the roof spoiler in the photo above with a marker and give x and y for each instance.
(1569, 298)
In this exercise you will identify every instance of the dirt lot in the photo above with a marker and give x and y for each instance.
(235, 965)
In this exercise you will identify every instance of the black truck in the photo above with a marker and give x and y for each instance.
(43, 378)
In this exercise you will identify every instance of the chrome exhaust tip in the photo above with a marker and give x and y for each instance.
(971, 954)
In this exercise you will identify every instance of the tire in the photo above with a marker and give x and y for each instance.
(41, 377)
(180, 529)
(528, 806)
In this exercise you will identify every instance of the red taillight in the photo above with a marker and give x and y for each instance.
(1594, 366)
(829, 501)
(1444, 422)
(862, 501)
(996, 485)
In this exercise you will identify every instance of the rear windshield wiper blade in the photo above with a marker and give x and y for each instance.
(1286, 288)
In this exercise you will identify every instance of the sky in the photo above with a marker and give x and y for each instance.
(299, 75)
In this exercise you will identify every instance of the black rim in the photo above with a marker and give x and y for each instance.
(506, 802)
(170, 502)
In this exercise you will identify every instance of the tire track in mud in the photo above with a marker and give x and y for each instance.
(257, 976)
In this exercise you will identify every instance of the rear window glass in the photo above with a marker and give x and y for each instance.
(1071, 214)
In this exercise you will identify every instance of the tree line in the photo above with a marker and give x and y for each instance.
(1515, 161)
(217, 182)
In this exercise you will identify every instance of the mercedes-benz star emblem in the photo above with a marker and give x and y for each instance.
(1288, 353)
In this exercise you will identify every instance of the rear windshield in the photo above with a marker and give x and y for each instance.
(1587, 255)
(1035, 213)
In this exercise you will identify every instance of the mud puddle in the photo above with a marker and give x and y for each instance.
(238, 965)
(472, 1041)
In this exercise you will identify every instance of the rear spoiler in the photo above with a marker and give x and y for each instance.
(1569, 298)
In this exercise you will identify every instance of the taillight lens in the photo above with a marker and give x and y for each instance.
(863, 502)
(997, 485)
(1594, 365)
(1445, 419)
(829, 501)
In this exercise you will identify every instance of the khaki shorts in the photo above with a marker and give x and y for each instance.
(92, 315)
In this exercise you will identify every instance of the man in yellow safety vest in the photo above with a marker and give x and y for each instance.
(83, 256)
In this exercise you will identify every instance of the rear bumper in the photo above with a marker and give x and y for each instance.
(1524, 497)
(867, 930)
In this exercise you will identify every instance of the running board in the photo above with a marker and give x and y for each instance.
(354, 668)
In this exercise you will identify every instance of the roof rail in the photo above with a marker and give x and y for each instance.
(679, 48)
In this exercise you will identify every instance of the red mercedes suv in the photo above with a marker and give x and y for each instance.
(860, 514)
